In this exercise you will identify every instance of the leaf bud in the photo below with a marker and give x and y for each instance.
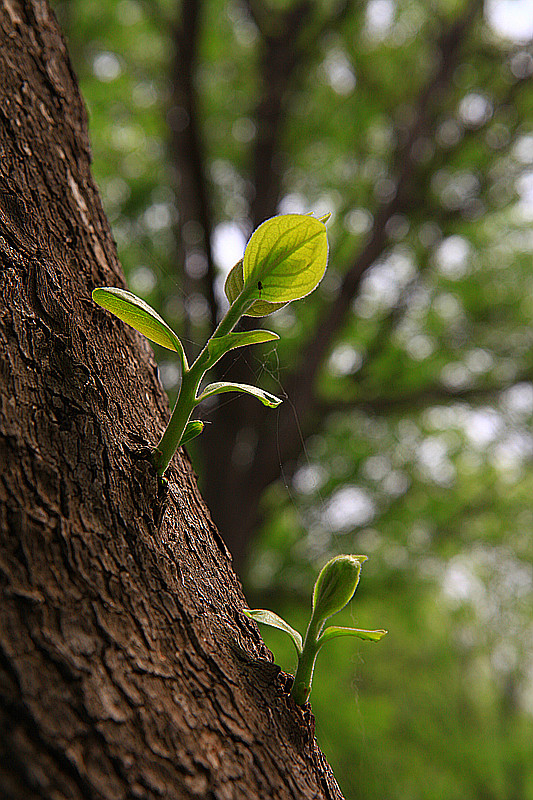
(336, 585)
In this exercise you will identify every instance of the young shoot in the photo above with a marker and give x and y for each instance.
(334, 588)
(284, 260)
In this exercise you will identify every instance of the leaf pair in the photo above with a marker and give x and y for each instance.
(135, 312)
(333, 632)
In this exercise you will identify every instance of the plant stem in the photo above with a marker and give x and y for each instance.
(178, 421)
(191, 378)
(301, 688)
(231, 318)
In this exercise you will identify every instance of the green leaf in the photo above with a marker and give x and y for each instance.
(286, 257)
(334, 632)
(219, 388)
(135, 312)
(234, 286)
(222, 344)
(269, 618)
(193, 429)
(234, 282)
(336, 585)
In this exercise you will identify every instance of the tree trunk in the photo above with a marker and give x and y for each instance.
(127, 669)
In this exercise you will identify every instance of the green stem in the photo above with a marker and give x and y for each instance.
(178, 421)
(301, 688)
(191, 379)
(232, 316)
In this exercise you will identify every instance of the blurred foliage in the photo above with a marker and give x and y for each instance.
(422, 453)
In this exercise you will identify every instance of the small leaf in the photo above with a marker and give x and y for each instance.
(269, 618)
(234, 282)
(219, 388)
(220, 345)
(234, 286)
(334, 632)
(336, 585)
(287, 256)
(193, 429)
(135, 312)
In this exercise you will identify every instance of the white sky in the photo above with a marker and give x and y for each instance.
(512, 19)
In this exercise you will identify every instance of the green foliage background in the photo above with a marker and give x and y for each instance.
(423, 456)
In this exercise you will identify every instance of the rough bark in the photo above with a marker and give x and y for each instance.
(127, 669)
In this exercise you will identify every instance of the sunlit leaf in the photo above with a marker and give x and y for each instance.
(234, 286)
(218, 346)
(135, 312)
(219, 388)
(334, 632)
(286, 257)
(269, 618)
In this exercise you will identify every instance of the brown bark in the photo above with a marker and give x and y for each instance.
(127, 669)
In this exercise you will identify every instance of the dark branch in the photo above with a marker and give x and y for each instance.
(436, 394)
(303, 408)
(301, 384)
(289, 44)
(282, 54)
(189, 153)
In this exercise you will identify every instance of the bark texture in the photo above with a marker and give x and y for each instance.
(127, 669)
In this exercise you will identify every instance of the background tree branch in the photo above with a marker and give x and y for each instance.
(195, 224)
(300, 385)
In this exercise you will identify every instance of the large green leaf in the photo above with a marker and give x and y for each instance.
(269, 618)
(334, 632)
(135, 312)
(286, 257)
(219, 388)
(222, 344)
(234, 286)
